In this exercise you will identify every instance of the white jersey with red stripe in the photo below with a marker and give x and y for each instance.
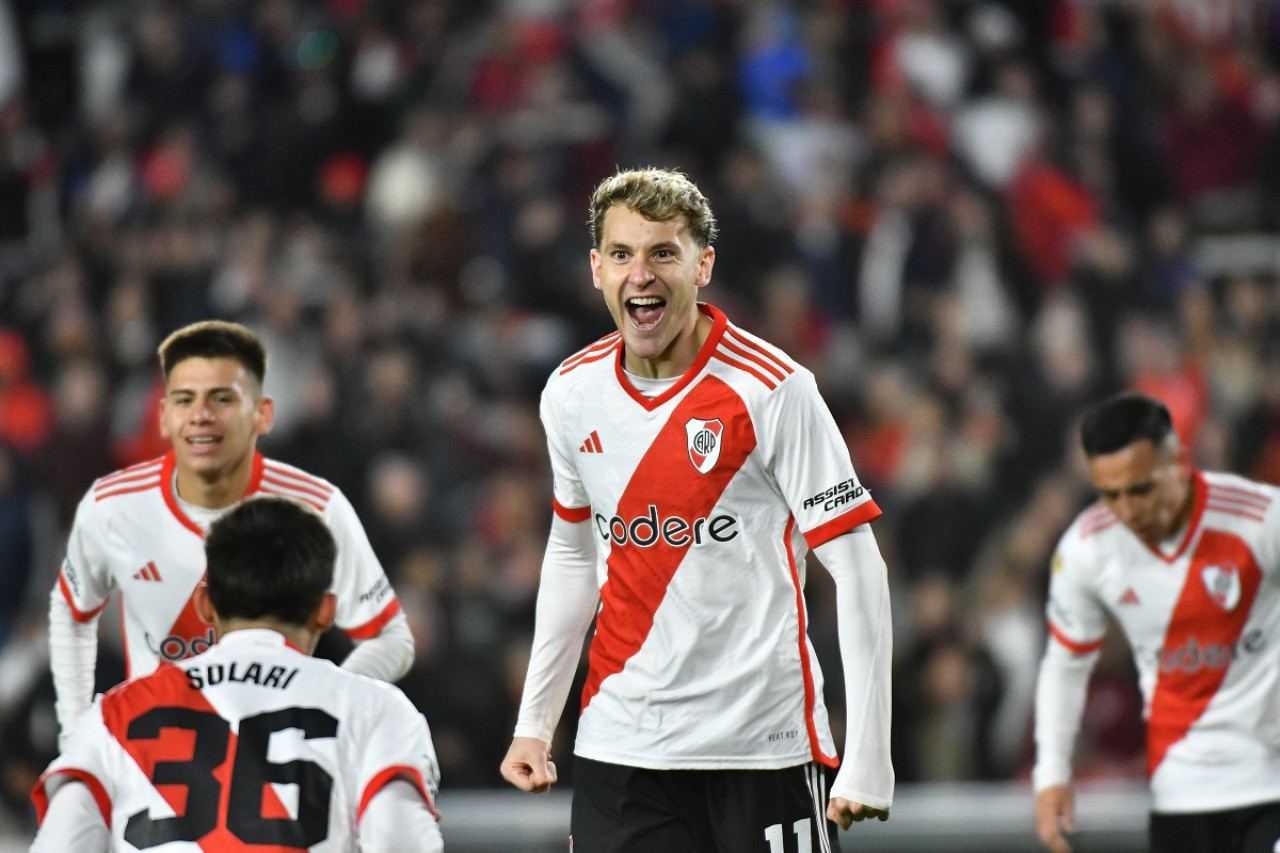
(1203, 621)
(703, 502)
(250, 743)
(131, 534)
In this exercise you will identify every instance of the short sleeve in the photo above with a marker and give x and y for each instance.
(86, 758)
(1268, 547)
(366, 601)
(399, 746)
(85, 576)
(1076, 617)
(810, 463)
(571, 501)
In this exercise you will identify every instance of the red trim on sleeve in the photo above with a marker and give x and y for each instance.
(861, 514)
(379, 781)
(571, 514)
(40, 796)
(1077, 648)
(374, 626)
(76, 613)
(810, 692)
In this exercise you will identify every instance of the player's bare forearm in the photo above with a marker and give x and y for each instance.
(845, 812)
(528, 765)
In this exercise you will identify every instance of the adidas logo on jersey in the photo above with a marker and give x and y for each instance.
(1129, 597)
(149, 572)
(592, 444)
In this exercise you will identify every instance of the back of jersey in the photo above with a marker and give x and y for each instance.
(251, 743)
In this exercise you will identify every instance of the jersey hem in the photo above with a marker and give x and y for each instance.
(653, 762)
(1203, 804)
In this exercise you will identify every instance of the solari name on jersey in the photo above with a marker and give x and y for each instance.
(214, 674)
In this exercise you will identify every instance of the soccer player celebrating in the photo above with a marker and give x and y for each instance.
(694, 466)
(1187, 563)
(251, 742)
(139, 530)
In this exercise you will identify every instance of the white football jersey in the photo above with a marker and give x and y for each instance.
(131, 534)
(250, 743)
(703, 502)
(1203, 621)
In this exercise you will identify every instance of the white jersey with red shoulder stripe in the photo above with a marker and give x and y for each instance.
(703, 502)
(1203, 621)
(250, 743)
(131, 534)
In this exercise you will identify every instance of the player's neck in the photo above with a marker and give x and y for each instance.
(216, 491)
(297, 636)
(677, 358)
(1183, 516)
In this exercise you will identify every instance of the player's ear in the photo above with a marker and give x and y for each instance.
(595, 268)
(326, 612)
(161, 411)
(706, 261)
(204, 604)
(264, 416)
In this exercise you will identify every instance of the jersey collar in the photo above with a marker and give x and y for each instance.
(256, 637)
(171, 499)
(1200, 493)
(718, 324)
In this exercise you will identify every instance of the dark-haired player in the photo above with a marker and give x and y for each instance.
(1187, 562)
(252, 742)
(139, 530)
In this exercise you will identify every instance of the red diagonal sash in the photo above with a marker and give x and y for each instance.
(1198, 642)
(665, 478)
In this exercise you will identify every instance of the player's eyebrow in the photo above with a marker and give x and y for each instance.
(1135, 489)
(617, 245)
(218, 389)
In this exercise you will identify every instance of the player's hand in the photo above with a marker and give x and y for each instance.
(528, 765)
(844, 812)
(1055, 817)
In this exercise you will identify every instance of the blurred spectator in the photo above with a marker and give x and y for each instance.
(26, 411)
(946, 688)
(75, 453)
(17, 548)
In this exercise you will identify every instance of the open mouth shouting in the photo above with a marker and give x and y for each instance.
(645, 311)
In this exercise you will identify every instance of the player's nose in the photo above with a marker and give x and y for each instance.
(202, 411)
(1128, 510)
(639, 272)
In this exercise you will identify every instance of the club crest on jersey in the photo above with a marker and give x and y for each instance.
(1222, 584)
(704, 443)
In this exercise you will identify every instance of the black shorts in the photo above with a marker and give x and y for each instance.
(619, 809)
(1252, 829)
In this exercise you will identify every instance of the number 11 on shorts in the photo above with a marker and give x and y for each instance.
(804, 836)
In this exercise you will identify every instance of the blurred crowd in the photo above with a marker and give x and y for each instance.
(969, 219)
